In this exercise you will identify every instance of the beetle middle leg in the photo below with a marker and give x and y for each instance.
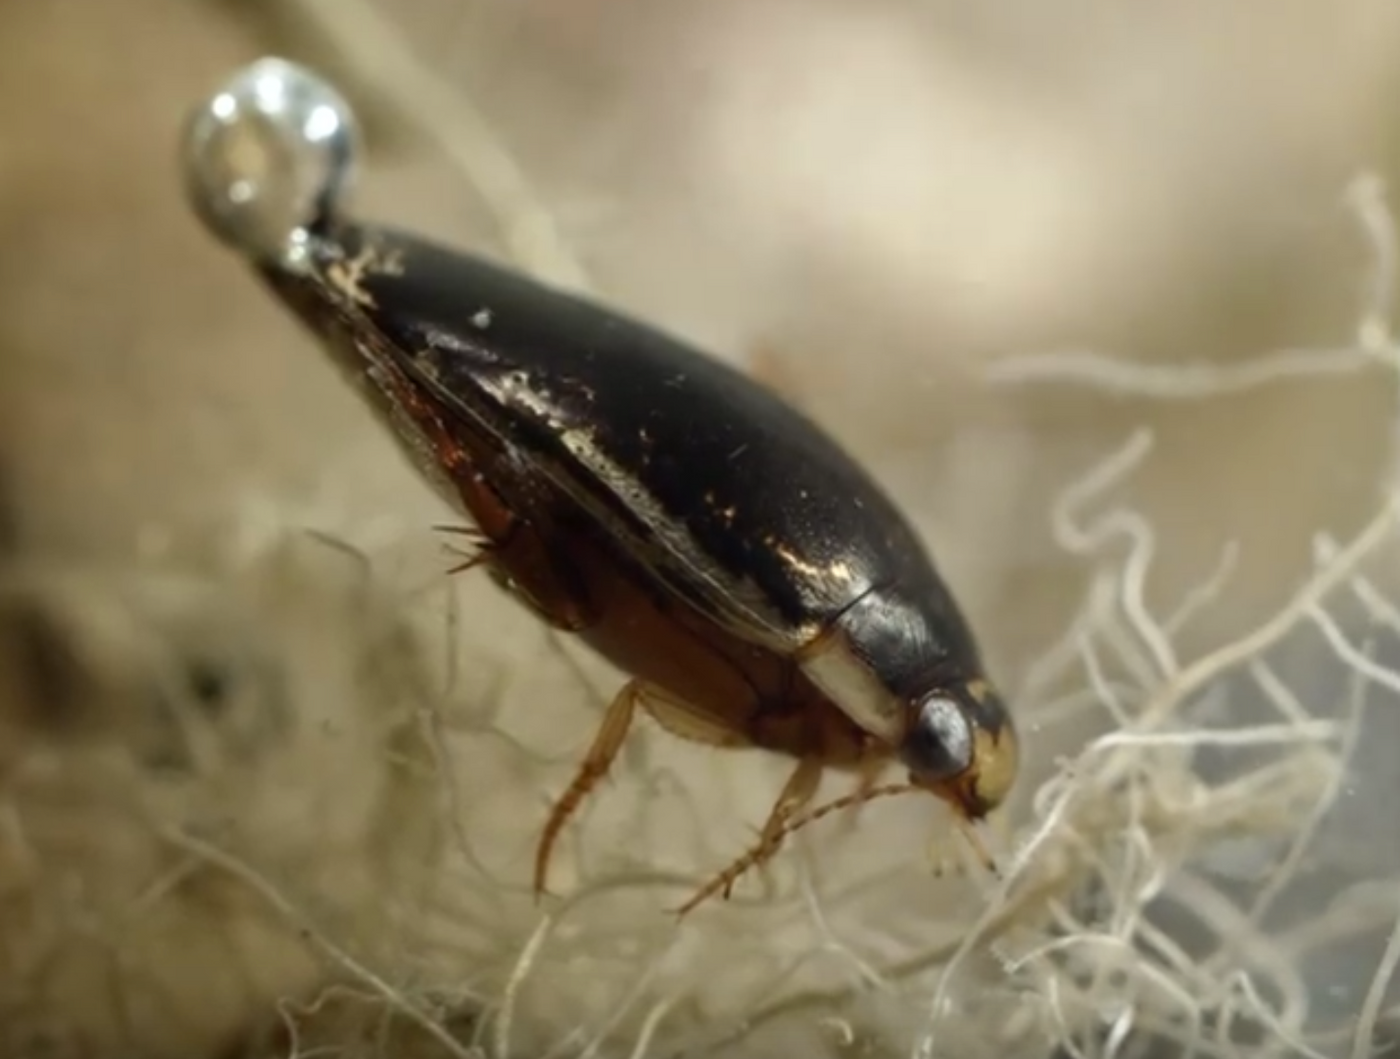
(680, 719)
(796, 795)
(617, 720)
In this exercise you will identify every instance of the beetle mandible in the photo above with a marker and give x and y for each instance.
(755, 583)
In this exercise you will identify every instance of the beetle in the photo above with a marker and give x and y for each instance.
(757, 585)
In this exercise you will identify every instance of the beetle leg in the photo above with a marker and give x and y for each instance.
(538, 576)
(608, 741)
(684, 721)
(796, 794)
(868, 774)
(527, 568)
(477, 552)
(765, 847)
(513, 541)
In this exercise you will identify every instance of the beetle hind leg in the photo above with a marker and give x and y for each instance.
(617, 720)
(478, 549)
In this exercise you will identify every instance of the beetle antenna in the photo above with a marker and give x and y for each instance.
(769, 844)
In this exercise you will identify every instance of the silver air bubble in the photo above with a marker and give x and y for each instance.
(269, 157)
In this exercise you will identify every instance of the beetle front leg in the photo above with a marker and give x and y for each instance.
(796, 795)
(606, 744)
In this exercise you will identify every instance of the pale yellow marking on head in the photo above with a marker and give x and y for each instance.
(980, 690)
(995, 762)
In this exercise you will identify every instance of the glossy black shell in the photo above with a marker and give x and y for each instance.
(735, 499)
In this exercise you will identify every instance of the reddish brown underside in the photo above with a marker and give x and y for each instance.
(553, 557)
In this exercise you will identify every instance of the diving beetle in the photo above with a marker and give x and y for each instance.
(712, 542)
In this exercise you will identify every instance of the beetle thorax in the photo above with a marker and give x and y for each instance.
(872, 658)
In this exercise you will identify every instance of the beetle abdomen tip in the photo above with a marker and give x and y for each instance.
(268, 157)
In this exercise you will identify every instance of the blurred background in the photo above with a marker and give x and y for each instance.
(920, 221)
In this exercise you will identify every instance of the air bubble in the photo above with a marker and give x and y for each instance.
(269, 157)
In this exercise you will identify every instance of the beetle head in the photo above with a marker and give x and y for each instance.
(961, 745)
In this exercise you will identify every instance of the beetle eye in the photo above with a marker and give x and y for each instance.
(939, 744)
